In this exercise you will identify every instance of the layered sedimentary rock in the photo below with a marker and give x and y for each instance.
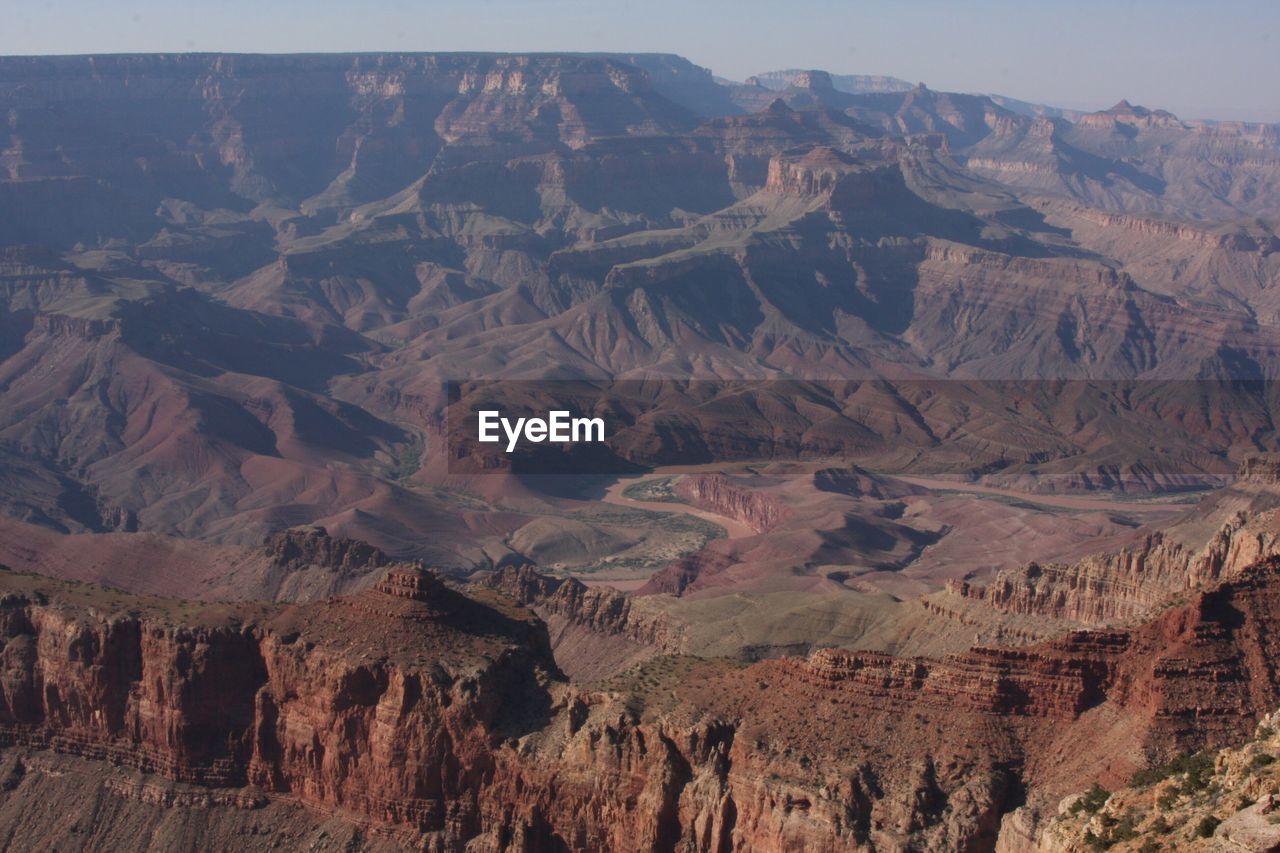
(286, 700)
(1129, 583)
(305, 563)
(442, 718)
(719, 494)
(593, 631)
(234, 284)
(678, 577)
(295, 565)
(1213, 801)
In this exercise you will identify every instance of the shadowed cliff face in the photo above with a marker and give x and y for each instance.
(441, 719)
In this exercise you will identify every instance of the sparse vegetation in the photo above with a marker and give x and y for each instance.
(1114, 830)
(659, 490)
(408, 460)
(1198, 768)
(1092, 800)
(1205, 828)
(1126, 829)
(1195, 794)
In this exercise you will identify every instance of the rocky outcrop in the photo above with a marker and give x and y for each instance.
(717, 493)
(601, 611)
(1235, 240)
(86, 329)
(1243, 527)
(685, 572)
(441, 719)
(302, 564)
(311, 545)
(839, 180)
(1129, 583)
(1222, 802)
(854, 84)
(1259, 470)
(858, 483)
(288, 701)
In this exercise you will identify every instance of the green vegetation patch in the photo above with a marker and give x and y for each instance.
(1114, 830)
(659, 489)
(1092, 800)
(1197, 766)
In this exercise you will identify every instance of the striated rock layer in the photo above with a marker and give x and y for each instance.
(719, 494)
(594, 631)
(1227, 532)
(1128, 583)
(442, 721)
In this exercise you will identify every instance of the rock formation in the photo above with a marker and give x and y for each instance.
(593, 630)
(233, 285)
(442, 718)
(1130, 583)
(232, 291)
(721, 495)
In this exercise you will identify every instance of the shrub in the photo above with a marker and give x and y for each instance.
(1114, 831)
(1125, 830)
(1091, 800)
(1199, 771)
(1198, 766)
(1206, 826)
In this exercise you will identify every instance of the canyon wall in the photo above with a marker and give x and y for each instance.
(594, 630)
(1129, 583)
(441, 719)
(717, 493)
(1228, 531)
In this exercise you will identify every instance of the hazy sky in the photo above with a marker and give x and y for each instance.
(1196, 57)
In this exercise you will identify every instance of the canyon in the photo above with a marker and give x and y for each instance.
(428, 714)
(939, 479)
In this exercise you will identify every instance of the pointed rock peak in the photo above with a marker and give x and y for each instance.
(921, 93)
(1126, 108)
(779, 107)
(816, 80)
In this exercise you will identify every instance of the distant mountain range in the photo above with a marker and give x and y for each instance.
(222, 263)
(854, 84)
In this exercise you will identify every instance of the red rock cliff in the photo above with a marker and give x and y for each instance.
(441, 719)
(719, 494)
